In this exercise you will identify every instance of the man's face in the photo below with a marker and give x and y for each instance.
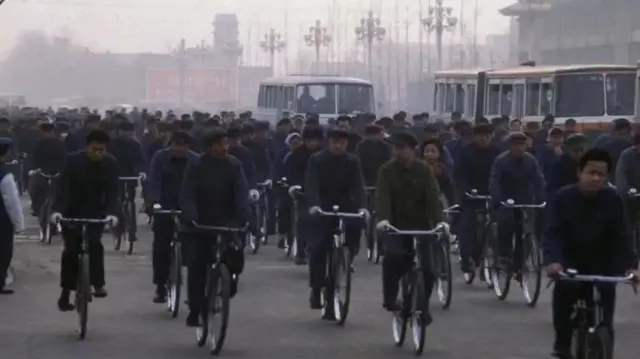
(376, 136)
(403, 152)
(48, 134)
(126, 134)
(519, 148)
(96, 151)
(624, 133)
(295, 143)
(555, 141)
(593, 176)
(338, 146)
(219, 148)
(260, 134)
(312, 143)
(92, 124)
(577, 151)
(344, 125)
(547, 125)
(285, 128)
(482, 139)
(179, 149)
(429, 136)
(515, 126)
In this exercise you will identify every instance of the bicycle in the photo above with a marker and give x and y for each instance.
(44, 212)
(218, 292)
(83, 294)
(485, 230)
(292, 241)
(634, 196)
(263, 216)
(414, 296)
(126, 231)
(592, 339)
(338, 268)
(374, 247)
(525, 253)
(455, 243)
(174, 281)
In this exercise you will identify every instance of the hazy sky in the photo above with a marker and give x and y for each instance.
(155, 25)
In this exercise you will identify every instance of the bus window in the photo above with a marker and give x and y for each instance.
(441, 97)
(449, 98)
(493, 100)
(578, 95)
(460, 98)
(532, 105)
(620, 95)
(506, 99)
(288, 97)
(316, 98)
(518, 100)
(270, 97)
(262, 97)
(546, 99)
(471, 101)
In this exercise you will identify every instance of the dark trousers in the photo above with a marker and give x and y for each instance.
(468, 234)
(163, 229)
(201, 249)
(565, 295)
(285, 215)
(72, 236)
(131, 192)
(321, 243)
(38, 192)
(398, 260)
(304, 230)
(6, 252)
(272, 198)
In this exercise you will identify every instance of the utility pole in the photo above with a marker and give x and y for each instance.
(370, 30)
(272, 44)
(317, 38)
(439, 20)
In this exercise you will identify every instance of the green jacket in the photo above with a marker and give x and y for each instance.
(408, 196)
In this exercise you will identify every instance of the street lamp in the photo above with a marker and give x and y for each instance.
(272, 44)
(370, 30)
(439, 20)
(317, 37)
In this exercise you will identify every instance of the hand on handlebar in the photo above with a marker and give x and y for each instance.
(55, 217)
(382, 225)
(365, 212)
(314, 210)
(112, 220)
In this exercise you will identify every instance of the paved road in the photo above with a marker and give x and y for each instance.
(269, 317)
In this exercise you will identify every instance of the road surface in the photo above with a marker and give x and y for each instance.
(270, 317)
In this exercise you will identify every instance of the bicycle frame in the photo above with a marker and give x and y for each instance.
(417, 236)
(339, 239)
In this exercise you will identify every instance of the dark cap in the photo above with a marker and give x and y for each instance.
(517, 137)
(338, 134)
(576, 139)
(5, 141)
(216, 135)
(621, 124)
(180, 138)
(126, 126)
(404, 139)
(312, 132)
(431, 128)
(556, 132)
(482, 129)
(372, 129)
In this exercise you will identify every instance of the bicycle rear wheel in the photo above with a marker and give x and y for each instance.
(530, 270)
(174, 285)
(254, 238)
(443, 273)
(118, 232)
(401, 318)
(418, 312)
(218, 294)
(265, 219)
(342, 284)
(83, 295)
(45, 224)
(130, 226)
(501, 273)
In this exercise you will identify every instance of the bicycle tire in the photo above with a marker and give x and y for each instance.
(599, 344)
(580, 339)
(45, 225)
(342, 270)
(175, 280)
(254, 239)
(129, 226)
(419, 306)
(217, 337)
(117, 233)
(370, 236)
(501, 289)
(83, 295)
(443, 273)
(530, 250)
(401, 318)
(265, 221)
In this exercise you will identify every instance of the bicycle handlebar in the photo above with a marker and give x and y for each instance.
(573, 276)
(84, 220)
(335, 213)
(293, 190)
(452, 209)
(40, 173)
(137, 178)
(440, 228)
(266, 184)
(511, 204)
(633, 193)
(219, 228)
(474, 195)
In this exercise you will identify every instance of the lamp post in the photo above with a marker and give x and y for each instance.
(317, 37)
(370, 30)
(439, 20)
(272, 44)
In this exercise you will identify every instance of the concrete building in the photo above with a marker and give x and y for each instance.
(577, 31)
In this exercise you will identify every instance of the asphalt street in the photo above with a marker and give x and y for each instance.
(270, 316)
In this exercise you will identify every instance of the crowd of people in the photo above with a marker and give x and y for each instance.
(208, 166)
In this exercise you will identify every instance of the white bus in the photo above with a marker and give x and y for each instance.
(459, 91)
(327, 96)
(593, 95)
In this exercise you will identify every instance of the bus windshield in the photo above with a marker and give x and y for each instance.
(620, 94)
(355, 99)
(580, 95)
(316, 98)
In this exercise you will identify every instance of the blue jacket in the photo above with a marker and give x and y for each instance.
(277, 164)
(473, 168)
(546, 159)
(165, 178)
(518, 178)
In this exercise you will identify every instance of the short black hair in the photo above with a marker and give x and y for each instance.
(343, 118)
(180, 138)
(126, 126)
(283, 122)
(185, 124)
(216, 135)
(404, 139)
(248, 129)
(234, 132)
(372, 129)
(595, 155)
(312, 132)
(338, 134)
(92, 118)
(570, 122)
(97, 136)
(482, 129)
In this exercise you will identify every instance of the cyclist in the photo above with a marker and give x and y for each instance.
(565, 170)
(295, 168)
(128, 153)
(373, 152)
(462, 135)
(48, 156)
(589, 232)
(293, 141)
(87, 188)
(333, 177)
(165, 177)
(344, 122)
(515, 175)
(628, 168)
(617, 141)
(549, 153)
(408, 197)
(472, 170)
(11, 218)
(214, 193)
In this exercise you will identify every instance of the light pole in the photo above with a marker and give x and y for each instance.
(370, 30)
(317, 37)
(439, 20)
(272, 44)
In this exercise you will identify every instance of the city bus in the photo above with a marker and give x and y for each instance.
(593, 95)
(459, 91)
(327, 96)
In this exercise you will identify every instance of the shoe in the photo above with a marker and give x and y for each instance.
(315, 300)
(6, 291)
(281, 243)
(193, 320)
(161, 295)
(233, 286)
(99, 292)
(64, 305)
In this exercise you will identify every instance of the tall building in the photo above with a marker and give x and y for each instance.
(225, 31)
(577, 31)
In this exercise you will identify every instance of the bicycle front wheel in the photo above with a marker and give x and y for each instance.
(531, 271)
(443, 272)
(130, 222)
(401, 318)
(45, 225)
(174, 285)
(83, 295)
(599, 345)
(218, 294)
(419, 312)
(342, 284)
